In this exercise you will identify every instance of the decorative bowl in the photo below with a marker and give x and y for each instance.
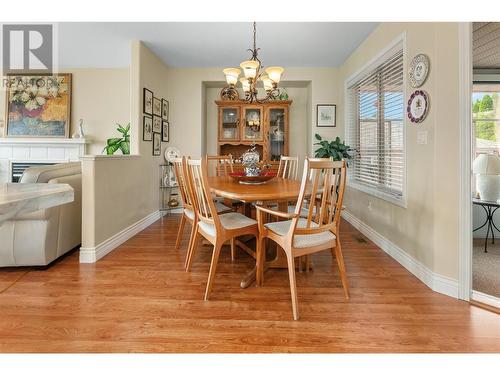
(262, 178)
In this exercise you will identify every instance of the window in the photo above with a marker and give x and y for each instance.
(486, 118)
(375, 127)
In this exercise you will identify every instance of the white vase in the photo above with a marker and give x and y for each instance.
(488, 187)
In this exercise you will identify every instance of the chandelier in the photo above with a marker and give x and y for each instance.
(252, 71)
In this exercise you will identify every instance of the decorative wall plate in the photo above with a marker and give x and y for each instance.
(172, 153)
(419, 70)
(418, 106)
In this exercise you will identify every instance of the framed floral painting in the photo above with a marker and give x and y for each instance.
(38, 105)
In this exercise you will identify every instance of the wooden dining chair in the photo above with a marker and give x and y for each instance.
(288, 167)
(217, 229)
(188, 213)
(220, 165)
(318, 231)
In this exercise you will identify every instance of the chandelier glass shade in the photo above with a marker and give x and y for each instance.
(252, 74)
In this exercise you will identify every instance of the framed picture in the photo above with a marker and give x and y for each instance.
(156, 107)
(147, 101)
(156, 144)
(147, 128)
(326, 115)
(38, 105)
(156, 124)
(165, 129)
(164, 109)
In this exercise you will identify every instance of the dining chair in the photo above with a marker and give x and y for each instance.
(220, 165)
(214, 227)
(288, 167)
(299, 236)
(188, 212)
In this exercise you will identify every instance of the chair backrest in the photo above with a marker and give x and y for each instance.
(288, 167)
(200, 191)
(180, 170)
(325, 180)
(220, 165)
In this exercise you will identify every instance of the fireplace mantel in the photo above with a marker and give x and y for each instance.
(43, 141)
(38, 150)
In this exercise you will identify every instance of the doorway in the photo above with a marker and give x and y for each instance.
(484, 153)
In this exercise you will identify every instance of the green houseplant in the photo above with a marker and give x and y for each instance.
(332, 149)
(122, 143)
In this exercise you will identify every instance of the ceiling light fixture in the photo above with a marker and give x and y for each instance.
(252, 71)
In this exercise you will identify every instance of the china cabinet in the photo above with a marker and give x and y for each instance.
(265, 125)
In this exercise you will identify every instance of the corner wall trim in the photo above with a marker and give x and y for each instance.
(486, 299)
(436, 282)
(93, 254)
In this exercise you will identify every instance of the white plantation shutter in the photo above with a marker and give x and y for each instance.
(375, 120)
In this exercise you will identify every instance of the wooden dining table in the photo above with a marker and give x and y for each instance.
(278, 190)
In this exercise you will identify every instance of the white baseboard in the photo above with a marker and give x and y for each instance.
(93, 254)
(486, 299)
(436, 282)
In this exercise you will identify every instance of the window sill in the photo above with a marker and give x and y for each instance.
(401, 202)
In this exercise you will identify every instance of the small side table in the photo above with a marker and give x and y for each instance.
(489, 207)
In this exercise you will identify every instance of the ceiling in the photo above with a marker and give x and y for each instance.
(205, 44)
(486, 45)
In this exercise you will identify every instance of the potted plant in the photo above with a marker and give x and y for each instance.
(332, 149)
(122, 143)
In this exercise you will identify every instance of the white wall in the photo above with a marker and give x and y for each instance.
(121, 191)
(428, 228)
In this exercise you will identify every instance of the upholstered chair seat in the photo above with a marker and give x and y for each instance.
(281, 228)
(221, 208)
(229, 221)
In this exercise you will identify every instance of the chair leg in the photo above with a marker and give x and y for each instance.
(261, 259)
(213, 267)
(192, 235)
(189, 260)
(180, 232)
(340, 262)
(233, 249)
(293, 286)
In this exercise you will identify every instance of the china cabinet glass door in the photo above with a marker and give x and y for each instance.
(277, 133)
(230, 121)
(253, 124)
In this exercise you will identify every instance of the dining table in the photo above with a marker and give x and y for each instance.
(279, 190)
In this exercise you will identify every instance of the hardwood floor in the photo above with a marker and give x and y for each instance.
(139, 299)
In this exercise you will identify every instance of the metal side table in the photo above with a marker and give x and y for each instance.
(489, 207)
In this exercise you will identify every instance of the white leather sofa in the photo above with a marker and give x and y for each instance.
(38, 238)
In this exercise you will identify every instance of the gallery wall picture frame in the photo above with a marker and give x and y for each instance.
(147, 128)
(147, 101)
(164, 109)
(156, 107)
(38, 105)
(326, 115)
(156, 124)
(156, 144)
(165, 131)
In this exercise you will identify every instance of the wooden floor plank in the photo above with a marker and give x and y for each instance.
(139, 299)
